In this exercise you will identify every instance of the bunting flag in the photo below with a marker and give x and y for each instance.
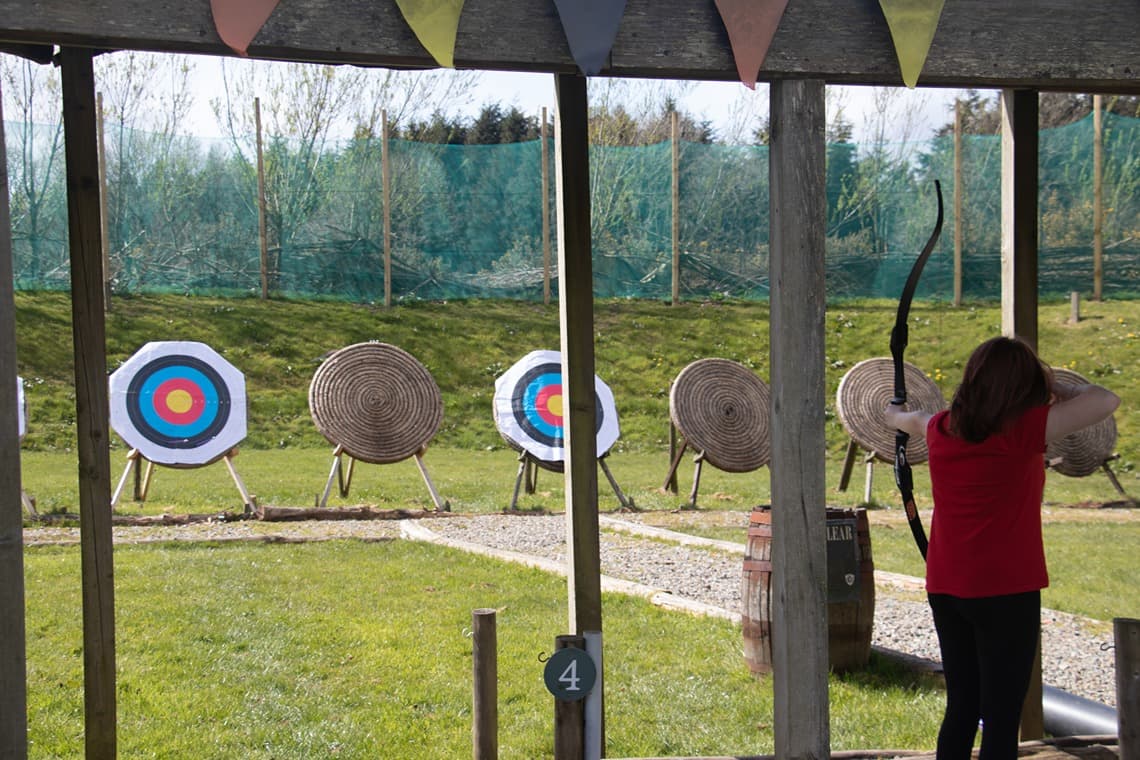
(436, 23)
(912, 24)
(591, 27)
(239, 21)
(751, 25)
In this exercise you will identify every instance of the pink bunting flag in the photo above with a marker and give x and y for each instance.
(239, 21)
(751, 25)
(591, 27)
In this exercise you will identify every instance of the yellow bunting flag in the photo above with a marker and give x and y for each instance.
(239, 21)
(912, 24)
(435, 22)
(751, 25)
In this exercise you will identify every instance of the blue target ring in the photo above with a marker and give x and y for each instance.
(179, 402)
(532, 409)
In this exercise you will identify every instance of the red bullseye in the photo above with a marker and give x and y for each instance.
(179, 401)
(548, 405)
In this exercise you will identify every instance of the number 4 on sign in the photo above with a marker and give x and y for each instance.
(570, 674)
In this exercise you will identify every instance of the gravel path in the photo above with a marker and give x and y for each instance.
(1077, 653)
(1076, 658)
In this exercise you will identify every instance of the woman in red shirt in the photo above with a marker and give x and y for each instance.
(985, 566)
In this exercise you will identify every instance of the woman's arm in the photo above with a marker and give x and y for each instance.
(1077, 407)
(913, 423)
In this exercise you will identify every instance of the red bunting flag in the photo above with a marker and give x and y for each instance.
(751, 25)
(239, 21)
(591, 27)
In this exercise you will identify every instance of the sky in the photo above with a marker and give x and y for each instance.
(911, 114)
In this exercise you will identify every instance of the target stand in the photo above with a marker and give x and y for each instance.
(1086, 451)
(720, 409)
(529, 465)
(528, 415)
(178, 404)
(143, 470)
(375, 403)
(864, 392)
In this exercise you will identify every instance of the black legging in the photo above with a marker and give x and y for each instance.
(988, 648)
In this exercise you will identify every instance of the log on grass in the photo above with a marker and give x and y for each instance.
(279, 514)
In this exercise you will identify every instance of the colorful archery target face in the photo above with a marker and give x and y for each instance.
(21, 408)
(179, 403)
(528, 407)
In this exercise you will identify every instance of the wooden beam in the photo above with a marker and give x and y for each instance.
(13, 658)
(979, 43)
(1019, 174)
(798, 213)
(576, 312)
(92, 410)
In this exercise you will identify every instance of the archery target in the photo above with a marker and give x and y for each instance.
(21, 408)
(529, 407)
(179, 403)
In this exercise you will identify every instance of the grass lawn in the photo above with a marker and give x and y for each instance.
(347, 649)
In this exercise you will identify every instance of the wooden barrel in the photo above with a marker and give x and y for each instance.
(849, 622)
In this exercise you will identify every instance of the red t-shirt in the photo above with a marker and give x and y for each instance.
(985, 536)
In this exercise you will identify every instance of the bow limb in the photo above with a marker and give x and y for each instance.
(904, 478)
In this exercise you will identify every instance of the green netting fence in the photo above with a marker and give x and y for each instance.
(467, 221)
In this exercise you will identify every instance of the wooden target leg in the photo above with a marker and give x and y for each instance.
(674, 459)
(531, 474)
(334, 473)
(29, 504)
(625, 501)
(440, 504)
(246, 499)
(848, 464)
(143, 486)
(1116, 483)
(518, 482)
(870, 476)
(132, 457)
(700, 460)
(344, 477)
(671, 478)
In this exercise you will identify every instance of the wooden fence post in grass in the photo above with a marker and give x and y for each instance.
(1098, 199)
(1074, 307)
(959, 189)
(569, 715)
(485, 699)
(675, 132)
(386, 190)
(545, 211)
(262, 235)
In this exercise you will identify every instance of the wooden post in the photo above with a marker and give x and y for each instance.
(675, 132)
(13, 654)
(569, 716)
(104, 234)
(545, 211)
(1074, 307)
(1019, 141)
(485, 699)
(92, 408)
(1098, 198)
(386, 192)
(1019, 214)
(576, 312)
(798, 211)
(262, 233)
(1126, 636)
(959, 189)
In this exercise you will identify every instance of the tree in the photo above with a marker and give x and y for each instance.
(32, 105)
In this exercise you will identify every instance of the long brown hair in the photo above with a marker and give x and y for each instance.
(1003, 379)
